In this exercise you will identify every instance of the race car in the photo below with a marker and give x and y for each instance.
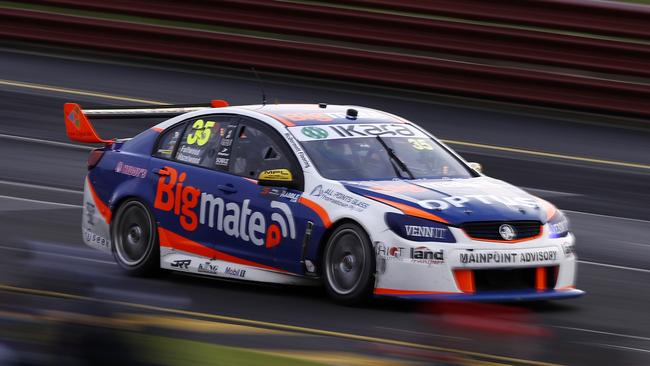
(360, 200)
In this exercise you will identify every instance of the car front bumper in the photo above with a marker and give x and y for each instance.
(538, 269)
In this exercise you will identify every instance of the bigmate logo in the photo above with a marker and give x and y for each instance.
(194, 207)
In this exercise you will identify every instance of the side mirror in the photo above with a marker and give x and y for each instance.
(276, 178)
(477, 167)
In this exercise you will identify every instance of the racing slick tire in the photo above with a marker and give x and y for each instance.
(349, 266)
(135, 239)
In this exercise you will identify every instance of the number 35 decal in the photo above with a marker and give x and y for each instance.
(420, 144)
(201, 134)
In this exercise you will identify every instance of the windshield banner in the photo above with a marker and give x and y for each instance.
(344, 131)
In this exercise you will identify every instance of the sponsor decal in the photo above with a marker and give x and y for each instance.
(221, 161)
(230, 132)
(298, 150)
(271, 192)
(388, 252)
(504, 257)
(291, 196)
(425, 231)
(91, 209)
(96, 239)
(208, 267)
(224, 151)
(194, 207)
(340, 131)
(418, 229)
(425, 255)
(507, 232)
(279, 175)
(568, 249)
(314, 132)
(235, 272)
(73, 117)
(338, 198)
(181, 263)
(460, 201)
(130, 170)
(559, 227)
(419, 255)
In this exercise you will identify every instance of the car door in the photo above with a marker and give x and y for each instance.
(185, 170)
(275, 220)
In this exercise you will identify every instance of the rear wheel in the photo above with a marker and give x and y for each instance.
(135, 239)
(349, 265)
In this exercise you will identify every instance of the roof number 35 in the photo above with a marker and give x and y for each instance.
(202, 131)
(420, 144)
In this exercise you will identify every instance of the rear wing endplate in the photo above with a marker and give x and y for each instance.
(79, 128)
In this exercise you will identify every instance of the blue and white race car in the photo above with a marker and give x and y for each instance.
(361, 200)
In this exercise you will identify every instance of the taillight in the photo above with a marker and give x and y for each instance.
(94, 158)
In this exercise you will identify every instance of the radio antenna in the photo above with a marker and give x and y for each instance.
(259, 80)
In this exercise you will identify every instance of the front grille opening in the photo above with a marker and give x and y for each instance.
(513, 279)
(490, 229)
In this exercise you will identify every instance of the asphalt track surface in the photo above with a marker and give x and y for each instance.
(598, 173)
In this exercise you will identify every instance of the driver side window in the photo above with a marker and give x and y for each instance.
(255, 151)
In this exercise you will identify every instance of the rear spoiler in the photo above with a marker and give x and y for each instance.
(79, 128)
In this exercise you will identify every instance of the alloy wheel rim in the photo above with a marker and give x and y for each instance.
(345, 260)
(133, 235)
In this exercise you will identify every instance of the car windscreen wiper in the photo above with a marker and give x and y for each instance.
(395, 158)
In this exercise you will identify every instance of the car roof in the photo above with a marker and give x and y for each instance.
(290, 115)
(317, 114)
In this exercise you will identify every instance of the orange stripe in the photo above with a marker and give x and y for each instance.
(391, 291)
(541, 231)
(549, 208)
(169, 239)
(465, 280)
(284, 121)
(412, 211)
(318, 209)
(540, 279)
(101, 206)
(157, 129)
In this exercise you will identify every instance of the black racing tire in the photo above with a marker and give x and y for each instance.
(135, 239)
(349, 265)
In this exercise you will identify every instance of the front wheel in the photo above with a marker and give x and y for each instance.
(349, 265)
(135, 239)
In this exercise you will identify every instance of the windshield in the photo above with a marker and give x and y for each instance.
(397, 151)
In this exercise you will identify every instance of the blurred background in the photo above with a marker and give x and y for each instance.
(550, 95)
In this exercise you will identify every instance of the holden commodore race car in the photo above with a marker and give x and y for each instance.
(361, 200)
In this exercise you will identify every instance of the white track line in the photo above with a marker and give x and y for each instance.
(66, 205)
(607, 216)
(2, 247)
(22, 84)
(39, 186)
(602, 332)
(623, 347)
(615, 266)
(45, 142)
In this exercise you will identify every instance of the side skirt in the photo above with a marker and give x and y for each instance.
(181, 261)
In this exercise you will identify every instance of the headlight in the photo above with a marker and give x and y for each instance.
(417, 229)
(558, 225)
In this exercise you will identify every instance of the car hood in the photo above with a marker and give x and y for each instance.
(457, 200)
